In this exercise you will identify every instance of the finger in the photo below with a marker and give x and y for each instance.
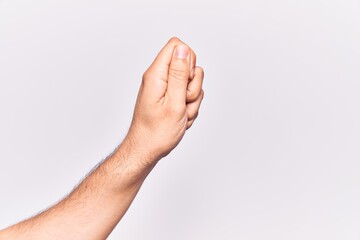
(195, 85)
(189, 124)
(163, 59)
(192, 109)
(192, 64)
(178, 76)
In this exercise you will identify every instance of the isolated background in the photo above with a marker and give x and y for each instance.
(274, 154)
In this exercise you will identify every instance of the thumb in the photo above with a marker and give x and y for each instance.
(179, 72)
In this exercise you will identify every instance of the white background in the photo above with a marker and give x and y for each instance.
(274, 153)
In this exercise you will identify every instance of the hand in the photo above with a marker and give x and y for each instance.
(168, 101)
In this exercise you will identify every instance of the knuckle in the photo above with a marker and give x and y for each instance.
(196, 114)
(200, 70)
(194, 56)
(193, 115)
(178, 73)
(189, 124)
(191, 95)
(145, 75)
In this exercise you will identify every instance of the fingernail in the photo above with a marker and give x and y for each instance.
(182, 51)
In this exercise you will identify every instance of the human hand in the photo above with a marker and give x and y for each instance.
(168, 101)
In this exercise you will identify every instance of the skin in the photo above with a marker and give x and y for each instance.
(167, 105)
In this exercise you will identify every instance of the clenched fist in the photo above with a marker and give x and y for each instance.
(168, 101)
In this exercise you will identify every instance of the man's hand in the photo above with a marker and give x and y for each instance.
(168, 101)
(167, 105)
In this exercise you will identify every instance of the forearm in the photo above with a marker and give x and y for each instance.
(94, 208)
(167, 105)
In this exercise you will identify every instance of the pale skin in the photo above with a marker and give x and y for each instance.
(167, 105)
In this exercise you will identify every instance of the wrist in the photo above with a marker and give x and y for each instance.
(127, 167)
(146, 143)
(139, 154)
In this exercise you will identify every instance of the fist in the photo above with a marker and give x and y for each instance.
(168, 101)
